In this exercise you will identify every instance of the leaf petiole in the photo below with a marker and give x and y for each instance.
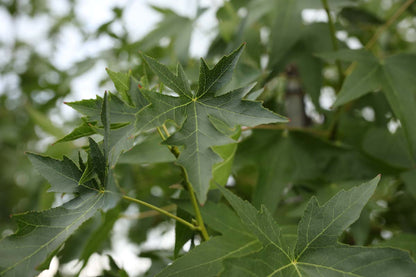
(199, 220)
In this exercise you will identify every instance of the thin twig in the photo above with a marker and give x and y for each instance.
(285, 127)
(391, 20)
(380, 30)
(178, 219)
(150, 213)
(199, 220)
(333, 40)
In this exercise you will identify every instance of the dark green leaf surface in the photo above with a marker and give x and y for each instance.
(118, 110)
(39, 233)
(206, 259)
(195, 114)
(148, 149)
(62, 175)
(317, 252)
(394, 75)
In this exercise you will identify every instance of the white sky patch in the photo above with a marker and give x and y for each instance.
(95, 13)
(354, 43)
(392, 125)
(310, 16)
(368, 114)
(310, 110)
(6, 27)
(59, 7)
(327, 97)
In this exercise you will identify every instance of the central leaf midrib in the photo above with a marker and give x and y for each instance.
(326, 228)
(329, 268)
(165, 112)
(51, 240)
(219, 258)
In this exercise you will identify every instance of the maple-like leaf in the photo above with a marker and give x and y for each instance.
(202, 115)
(207, 258)
(41, 234)
(317, 251)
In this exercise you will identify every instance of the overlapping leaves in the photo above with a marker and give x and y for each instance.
(316, 252)
(258, 246)
(394, 75)
(205, 118)
(40, 234)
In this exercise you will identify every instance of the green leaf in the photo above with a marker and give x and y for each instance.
(286, 29)
(320, 227)
(44, 122)
(182, 233)
(387, 147)
(394, 75)
(147, 150)
(364, 79)
(84, 130)
(206, 259)
(40, 233)
(317, 252)
(196, 114)
(283, 158)
(405, 241)
(409, 179)
(122, 83)
(97, 162)
(175, 27)
(105, 120)
(62, 175)
(118, 110)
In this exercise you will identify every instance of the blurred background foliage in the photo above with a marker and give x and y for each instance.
(321, 151)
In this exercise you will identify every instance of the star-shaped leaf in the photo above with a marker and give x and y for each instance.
(206, 259)
(41, 234)
(317, 252)
(201, 115)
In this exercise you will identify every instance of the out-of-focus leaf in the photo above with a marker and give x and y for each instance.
(409, 179)
(286, 29)
(43, 122)
(405, 241)
(394, 76)
(389, 148)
